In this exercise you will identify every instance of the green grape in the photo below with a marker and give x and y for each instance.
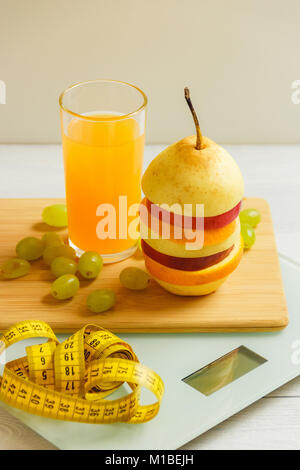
(248, 235)
(65, 287)
(61, 266)
(51, 239)
(250, 216)
(53, 252)
(55, 215)
(134, 278)
(30, 248)
(90, 264)
(15, 267)
(101, 300)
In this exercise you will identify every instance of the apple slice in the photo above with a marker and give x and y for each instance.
(194, 278)
(189, 222)
(184, 264)
(211, 236)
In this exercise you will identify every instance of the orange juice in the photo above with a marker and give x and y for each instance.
(103, 160)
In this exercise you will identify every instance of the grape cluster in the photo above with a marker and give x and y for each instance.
(62, 261)
(249, 219)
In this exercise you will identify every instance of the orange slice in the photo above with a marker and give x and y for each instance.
(195, 278)
(172, 248)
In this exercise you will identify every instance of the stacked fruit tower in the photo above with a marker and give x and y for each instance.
(193, 171)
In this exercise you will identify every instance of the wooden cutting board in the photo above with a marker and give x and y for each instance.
(252, 299)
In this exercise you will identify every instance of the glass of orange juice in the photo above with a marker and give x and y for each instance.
(103, 133)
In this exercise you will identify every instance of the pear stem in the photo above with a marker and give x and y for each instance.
(198, 131)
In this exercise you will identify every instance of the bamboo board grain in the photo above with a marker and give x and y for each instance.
(252, 299)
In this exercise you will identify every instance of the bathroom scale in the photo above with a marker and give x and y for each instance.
(208, 377)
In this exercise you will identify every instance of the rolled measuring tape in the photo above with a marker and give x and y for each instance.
(69, 381)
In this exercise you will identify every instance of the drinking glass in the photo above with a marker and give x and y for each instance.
(103, 133)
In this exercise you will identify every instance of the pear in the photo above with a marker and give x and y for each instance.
(189, 172)
(195, 170)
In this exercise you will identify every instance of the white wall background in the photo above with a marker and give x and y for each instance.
(239, 58)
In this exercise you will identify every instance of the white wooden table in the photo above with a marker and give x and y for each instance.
(271, 172)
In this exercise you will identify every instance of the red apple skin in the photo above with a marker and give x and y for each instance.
(184, 264)
(213, 222)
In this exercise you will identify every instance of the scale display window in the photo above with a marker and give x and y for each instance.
(224, 370)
